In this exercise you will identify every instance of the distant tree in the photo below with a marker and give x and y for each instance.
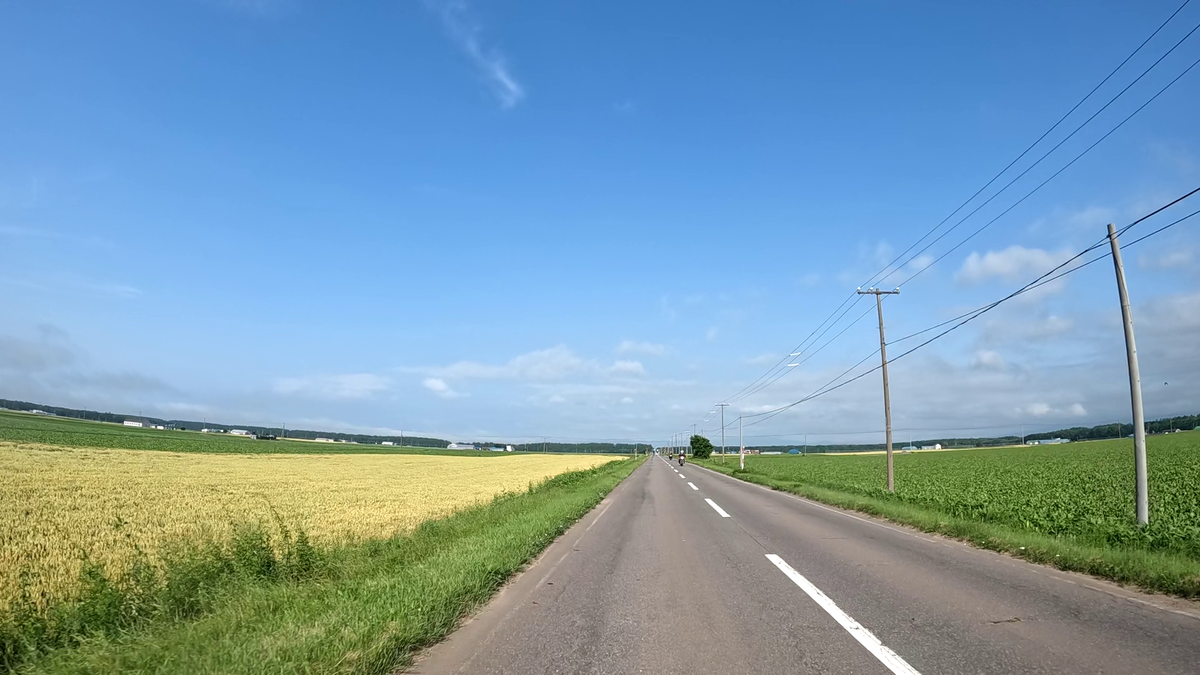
(701, 447)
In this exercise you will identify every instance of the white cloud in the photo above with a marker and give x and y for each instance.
(544, 364)
(920, 262)
(711, 334)
(1015, 263)
(179, 408)
(438, 386)
(1026, 329)
(1092, 217)
(1047, 410)
(627, 368)
(754, 409)
(1168, 260)
(987, 359)
(627, 400)
(465, 30)
(350, 386)
(882, 253)
(635, 347)
(1037, 409)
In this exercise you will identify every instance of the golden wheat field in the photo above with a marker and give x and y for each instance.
(58, 505)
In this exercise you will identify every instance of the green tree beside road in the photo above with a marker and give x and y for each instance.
(701, 447)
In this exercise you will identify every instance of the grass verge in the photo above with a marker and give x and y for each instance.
(1158, 571)
(255, 606)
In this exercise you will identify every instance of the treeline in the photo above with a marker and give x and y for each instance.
(597, 448)
(66, 412)
(189, 425)
(1115, 430)
(1099, 432)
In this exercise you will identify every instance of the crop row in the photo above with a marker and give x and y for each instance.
(1081, 490)
(62, 506)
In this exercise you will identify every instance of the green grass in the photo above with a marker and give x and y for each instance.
(64, 431)
(244, 608)
(1069, 505)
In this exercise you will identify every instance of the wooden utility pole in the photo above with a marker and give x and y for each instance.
(722, 406)
(1135, 387)
(887, 401)
(741, 445)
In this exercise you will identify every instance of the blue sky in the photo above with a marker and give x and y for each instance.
(580, 219)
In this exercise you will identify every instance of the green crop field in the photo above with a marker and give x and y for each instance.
(1080, 491)
(63, 431)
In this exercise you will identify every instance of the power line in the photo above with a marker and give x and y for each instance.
(1039, 140)
(1052, 176)
(779, 370)
(1098, 244)
(798, 348)
(810, 354)
(963, 319)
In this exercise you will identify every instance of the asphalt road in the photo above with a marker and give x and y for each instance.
(690, 571)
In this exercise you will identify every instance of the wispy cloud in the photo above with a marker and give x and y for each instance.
(810, 280)
(636, 347)
(465, 30)
(118, 290)
(1044, 410)
(350, 386)
(555, 363)
(36, 233)
(1169, 260)
(627, 368)
(987, 359)
(1092, 217)
(73, 287)
(760, 360)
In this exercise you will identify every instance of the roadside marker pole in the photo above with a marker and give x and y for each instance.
(887, 402)
(1135, 385)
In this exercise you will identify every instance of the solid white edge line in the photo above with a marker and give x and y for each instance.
(865, 637)
(693, 485)
(718, 509)
(1077, 579)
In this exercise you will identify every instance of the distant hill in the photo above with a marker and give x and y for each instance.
(117, 418)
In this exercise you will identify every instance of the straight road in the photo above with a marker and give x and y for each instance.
(690, 571)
